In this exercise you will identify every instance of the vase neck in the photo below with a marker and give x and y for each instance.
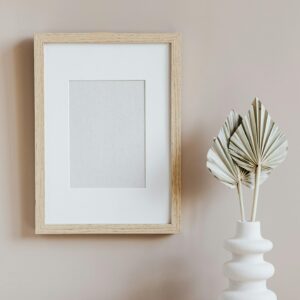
(248, 229)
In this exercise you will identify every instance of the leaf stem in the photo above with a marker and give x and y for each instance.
(240, 193)
(256, 192)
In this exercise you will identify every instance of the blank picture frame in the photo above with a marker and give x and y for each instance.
(107, 133)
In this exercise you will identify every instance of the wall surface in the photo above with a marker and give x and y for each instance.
(232, 51)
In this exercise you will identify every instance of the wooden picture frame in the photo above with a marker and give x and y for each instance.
(41, 40)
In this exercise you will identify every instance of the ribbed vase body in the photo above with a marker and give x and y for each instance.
(247, 271)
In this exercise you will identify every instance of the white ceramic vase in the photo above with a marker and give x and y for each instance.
(247, 271)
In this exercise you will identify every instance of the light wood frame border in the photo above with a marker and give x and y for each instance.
(174, 40)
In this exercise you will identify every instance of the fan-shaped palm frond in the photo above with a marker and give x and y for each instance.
(258, 141)
(219, 161)
(258, 145)
(248, 178)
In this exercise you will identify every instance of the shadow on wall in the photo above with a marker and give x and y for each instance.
(195, 178)
(195, 173)
(172, 281)
(18, 85)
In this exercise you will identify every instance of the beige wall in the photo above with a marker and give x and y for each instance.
(232, 51)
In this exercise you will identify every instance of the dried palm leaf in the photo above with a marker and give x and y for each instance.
(219, 161)
(248, 178)
(258, 145)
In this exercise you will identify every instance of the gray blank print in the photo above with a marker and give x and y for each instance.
(107, 134)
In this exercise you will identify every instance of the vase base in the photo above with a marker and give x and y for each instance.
(247, 295)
